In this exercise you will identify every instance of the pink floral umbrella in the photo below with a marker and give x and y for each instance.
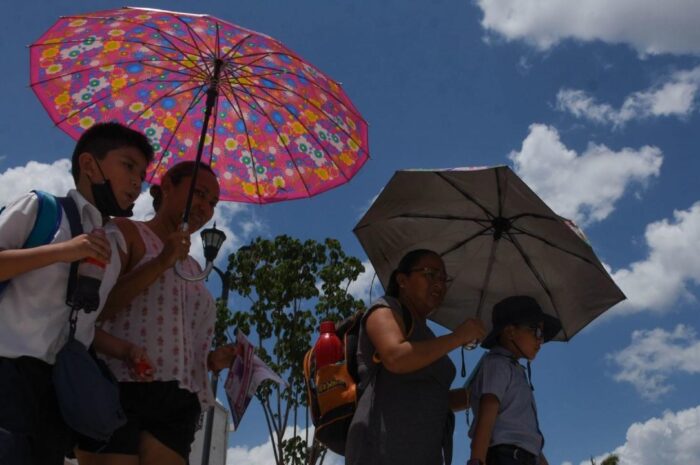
(280, 128)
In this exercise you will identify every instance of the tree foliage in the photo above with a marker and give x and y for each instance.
(611, 459)
(291, 286)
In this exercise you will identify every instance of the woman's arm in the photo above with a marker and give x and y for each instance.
(485, 421)
(399, 355)
(222, 357)
(137, 280)
(459, 399)
(135, 357)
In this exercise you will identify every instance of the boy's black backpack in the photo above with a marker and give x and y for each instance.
(334, 390)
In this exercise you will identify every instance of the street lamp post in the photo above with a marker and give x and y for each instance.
(212, 239)
(209, 425)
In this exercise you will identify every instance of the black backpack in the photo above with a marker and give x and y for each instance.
(334, 390)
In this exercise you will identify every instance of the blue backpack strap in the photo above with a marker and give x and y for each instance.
(48, 219)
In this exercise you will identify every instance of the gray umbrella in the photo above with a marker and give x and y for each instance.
(496, 237)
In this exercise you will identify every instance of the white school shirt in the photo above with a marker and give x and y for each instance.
(173, 320)
(33, 311)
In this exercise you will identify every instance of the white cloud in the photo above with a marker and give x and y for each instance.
(674, 96)
(649, 26)
(673, 439)
(657, 282)
(653, 355)
(263, 454)
(54, 178)
(360, 288)
(581, 187)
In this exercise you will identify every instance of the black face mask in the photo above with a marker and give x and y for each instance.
(104, 198)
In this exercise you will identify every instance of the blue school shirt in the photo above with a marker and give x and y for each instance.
(504, 377)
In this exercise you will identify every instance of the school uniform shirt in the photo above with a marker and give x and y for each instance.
(173, 319)
(516, 424)
(33, 311)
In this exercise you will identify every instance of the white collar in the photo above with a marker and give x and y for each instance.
(86, 210)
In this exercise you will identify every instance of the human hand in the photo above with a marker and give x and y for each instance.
(140, 366)
(222, 357)
(176, 247)
(93, 245)
(470, 332)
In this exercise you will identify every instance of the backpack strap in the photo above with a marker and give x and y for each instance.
(76, 229)
(395, 305)
(46, 223)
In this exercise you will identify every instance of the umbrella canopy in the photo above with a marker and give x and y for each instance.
(280, 128)
(497, 239)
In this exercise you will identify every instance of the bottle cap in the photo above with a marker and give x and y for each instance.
(327, 327)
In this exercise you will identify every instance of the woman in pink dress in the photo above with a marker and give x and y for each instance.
(173, 319)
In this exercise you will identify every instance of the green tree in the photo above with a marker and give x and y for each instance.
(291, 286)
(611, 459)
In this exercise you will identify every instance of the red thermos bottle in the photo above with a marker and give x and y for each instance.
(328, 349)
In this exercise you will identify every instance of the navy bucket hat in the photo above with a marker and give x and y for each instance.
(517, 310)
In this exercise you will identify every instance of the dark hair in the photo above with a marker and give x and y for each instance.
(407, 262)
(176, 174)
(102, 138)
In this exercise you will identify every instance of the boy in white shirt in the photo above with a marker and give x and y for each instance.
(108, 165)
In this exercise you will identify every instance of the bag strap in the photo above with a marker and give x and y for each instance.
(48, 219)
(46, 223)
(407, 318)
(76, 229)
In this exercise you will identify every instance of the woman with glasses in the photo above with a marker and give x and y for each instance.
(505, 430)
(404, 414)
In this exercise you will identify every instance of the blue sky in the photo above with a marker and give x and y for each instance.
(594, 105)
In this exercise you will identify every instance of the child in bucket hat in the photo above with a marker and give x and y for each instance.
(506, 430)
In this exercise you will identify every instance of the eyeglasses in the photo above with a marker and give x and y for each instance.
(536, 330)
(433, 275)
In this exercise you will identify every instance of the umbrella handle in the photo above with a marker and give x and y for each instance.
(205, 272)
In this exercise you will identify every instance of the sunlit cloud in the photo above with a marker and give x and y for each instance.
(675, 96)
(665, 275)
(366, 287)
(672, 439)
(263, 454)
(584, 187)
(649, 26)
(653, 356)
(54, 178)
